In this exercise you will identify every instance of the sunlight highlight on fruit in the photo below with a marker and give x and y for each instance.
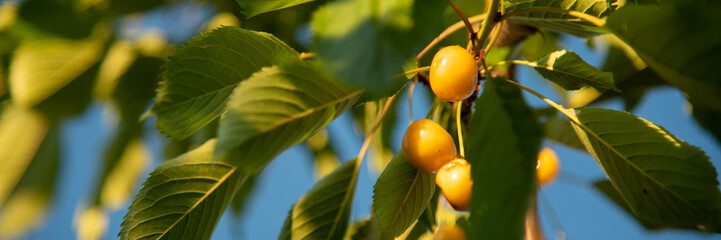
(453, 74)
(427, 145)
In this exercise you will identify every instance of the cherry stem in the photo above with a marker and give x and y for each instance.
(447, 32)
(494, 38)
(486, 26)
(372, 131)
(583, 16)
(305, 55)
(412, 71)
(410, 102)
(462, 153)
(465, 20)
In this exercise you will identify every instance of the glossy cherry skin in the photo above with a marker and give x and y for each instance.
(455, 182)
(453, 74)
(427, 145)
(547, 167)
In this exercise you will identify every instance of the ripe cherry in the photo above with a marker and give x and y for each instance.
(428, 146)
(453, 74)
(450, 232)
(455, 182)
(547, 167)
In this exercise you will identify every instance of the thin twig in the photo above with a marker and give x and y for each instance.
(494, 38)
(486, 26)
(447, 32)
(583, 16)
(468, 24)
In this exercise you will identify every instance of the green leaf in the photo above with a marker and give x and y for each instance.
(560, 130)
(366, 229)
(400, 195)
(23, 132)
(41, 68)
(32, 198)
(569, 71)
(561, 22)
(679, 41)
(539, 45)
(276, 108)
(240, 198)
(664, 180)
(203, 73)
(323, 212)
(183, 198)
(255, 7)
(708, 119)
(606, 187)
(502, 143)
(360, 41)
(59, 17)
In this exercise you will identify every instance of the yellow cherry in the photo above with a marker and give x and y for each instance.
(428, 146)
(455, 182)
(547, 167)
(450, 232)
(453, 74)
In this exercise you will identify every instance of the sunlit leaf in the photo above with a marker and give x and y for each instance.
(29, 203)
(561, 22)
(501, 145)
(92, 223)
(569, 71)
(400, 195)
(255, 7)
(664, 180)
(359, 41)
(183, 198)
(203, 73)
(41, 68)
(276, 108)
(323, 212)
(122, 179)
(23, 132)
(678, 40)
(120, 56)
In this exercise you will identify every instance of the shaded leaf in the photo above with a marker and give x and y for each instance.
(30, 201)
(183, 198)
(202, 74)
(366, 229)
(323, 212)
(708, 119)
(661, 34)
(23, 132)
(539, 45)
(41, 68)
(606, 187)
(59, 17)
(664, 180)
(502, 143)
(255, 7)
(242, 195)
(560, 130)
(276, 108)
(400, 195)
(360, 42)
(561, 22)
(569, 71)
